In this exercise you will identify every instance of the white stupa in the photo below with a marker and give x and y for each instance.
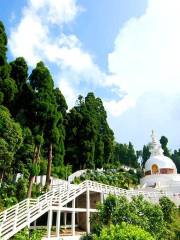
(160, 171)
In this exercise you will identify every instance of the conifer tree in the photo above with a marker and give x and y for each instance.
(47, 116)
(59, 148)
(132, 158)
(164, 142)
(42, 84)
(145, 155)
(19, 73)
(8, 86)
(120, 153)
(89, 139)
(176, 159)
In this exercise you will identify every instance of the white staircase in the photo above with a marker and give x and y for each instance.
(24, 213)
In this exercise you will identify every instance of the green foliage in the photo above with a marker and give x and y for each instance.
(138, 212)
(21, 189)
(145, 155)
(89, 140)
(115, 177)
(3, 45)
(10, 141)
(61, 171)
(173, 227)
(34, 169)
(8, 194)
(27, 234)
(8, 87)
(23, 157)
(19, 72)
(123, 232)
(164, 142)
(161, 221)
(176, 159)
(125, 154)
(89, 236)
(37, 190)
(168, 208)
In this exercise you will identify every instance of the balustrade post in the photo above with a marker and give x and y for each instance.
(4, 216)
(34, 224)
(40, 206)
(58, 219)
(28, 212)
(101, 197)
(65, 219)
(87, 209)
(15, 217)
(73, 218)
(156, 199)
(49, 223)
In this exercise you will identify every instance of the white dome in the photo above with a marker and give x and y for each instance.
(158, 163)
(161, 161)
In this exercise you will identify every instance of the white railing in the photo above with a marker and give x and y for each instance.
(22, 214)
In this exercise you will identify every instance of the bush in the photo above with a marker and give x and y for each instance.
(111, 177)
(21, 189)
(123, 232)
(168, 208)
(27, 234)
(88, 237)
(138, 212)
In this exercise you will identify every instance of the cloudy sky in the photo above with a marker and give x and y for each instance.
(126, 51)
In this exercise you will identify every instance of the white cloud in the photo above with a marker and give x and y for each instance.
(146, 65)
(68, 92)
(146, 55)
(116, 108)
(28, 38)
(34, 39)
(56, 11)
(153, 110)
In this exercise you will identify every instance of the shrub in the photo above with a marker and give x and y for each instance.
(123, 232)
(168, 208)
(27, 234)
(138, 212)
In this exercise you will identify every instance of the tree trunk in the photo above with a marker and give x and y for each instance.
(31, 180)
(1, 176)
(48, 175)
(35, 160)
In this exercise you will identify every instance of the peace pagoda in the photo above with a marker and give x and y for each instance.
(160, 171)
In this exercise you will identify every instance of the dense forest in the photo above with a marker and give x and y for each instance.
(39, 135)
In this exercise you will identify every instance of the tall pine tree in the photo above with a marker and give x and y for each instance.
(8, 87)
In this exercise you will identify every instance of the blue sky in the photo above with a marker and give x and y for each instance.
(126, 51)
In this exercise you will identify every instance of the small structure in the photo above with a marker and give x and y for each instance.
(160, 171)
